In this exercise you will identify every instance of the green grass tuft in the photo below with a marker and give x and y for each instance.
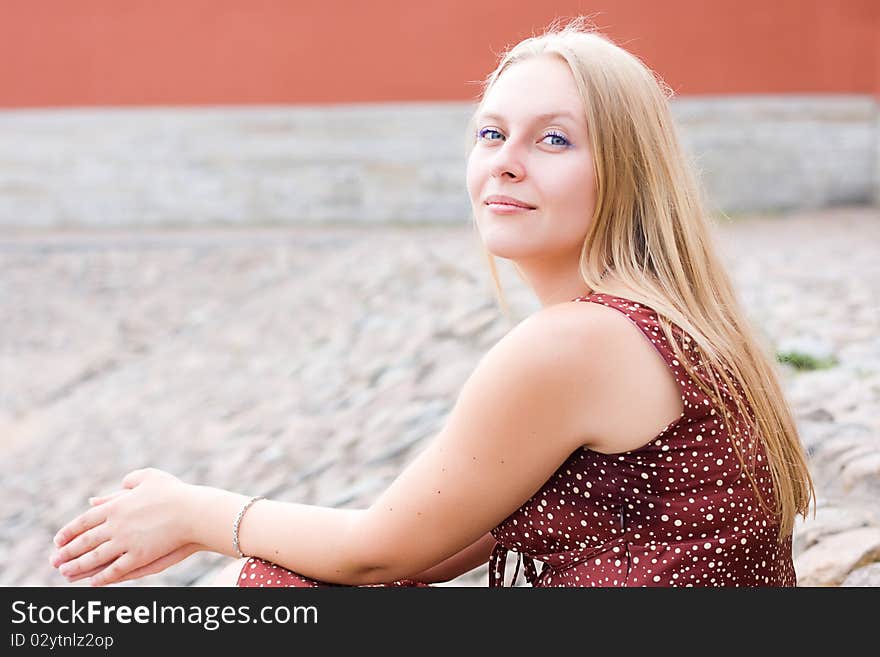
(803, 361)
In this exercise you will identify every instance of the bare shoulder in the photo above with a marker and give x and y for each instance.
(560, 354)
(563, 341)
(566, 321)
(620, 391)
(582, 332)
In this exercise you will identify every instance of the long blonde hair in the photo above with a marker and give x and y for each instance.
(651, 229)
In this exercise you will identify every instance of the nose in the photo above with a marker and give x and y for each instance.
(508, 162)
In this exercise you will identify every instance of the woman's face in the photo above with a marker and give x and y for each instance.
(543, 161)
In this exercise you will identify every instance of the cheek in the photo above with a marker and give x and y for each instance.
(473, 178)
(578, 192)
(573, 194)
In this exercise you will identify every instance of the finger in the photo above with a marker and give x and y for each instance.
(80, 524)
(100, 499)
(87, 573)
(156, 566)
(102, 554)
(80, 545)
(119, 568)
(160, 564)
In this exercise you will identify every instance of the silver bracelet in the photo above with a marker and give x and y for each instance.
(237, 522)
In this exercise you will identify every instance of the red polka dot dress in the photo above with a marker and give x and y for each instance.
(678, 511)
(257, 572)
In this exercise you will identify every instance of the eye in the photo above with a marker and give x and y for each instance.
(558, 136)
(482, 133)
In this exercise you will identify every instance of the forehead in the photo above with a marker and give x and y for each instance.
(540, 88)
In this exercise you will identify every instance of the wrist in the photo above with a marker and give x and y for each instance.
(236, 526)
(212, 512)
(193, 504)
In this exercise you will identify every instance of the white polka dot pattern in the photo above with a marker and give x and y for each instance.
(259, 573)
(677, 511)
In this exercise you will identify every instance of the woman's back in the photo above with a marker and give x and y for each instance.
(675, 511)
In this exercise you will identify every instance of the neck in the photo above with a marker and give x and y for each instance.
(559, 284)
(553, 282)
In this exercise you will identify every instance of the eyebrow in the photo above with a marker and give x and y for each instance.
(536, 119)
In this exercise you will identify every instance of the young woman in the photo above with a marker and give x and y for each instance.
(631, 432)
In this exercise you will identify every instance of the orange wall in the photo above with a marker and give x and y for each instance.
(195, 52)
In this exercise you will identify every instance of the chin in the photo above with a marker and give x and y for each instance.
(509, 236)
(503, 246)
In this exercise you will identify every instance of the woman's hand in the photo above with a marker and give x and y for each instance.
(137, 531)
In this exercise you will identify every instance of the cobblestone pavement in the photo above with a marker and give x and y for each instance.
(310, 364)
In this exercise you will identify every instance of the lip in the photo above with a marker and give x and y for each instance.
(501, 200)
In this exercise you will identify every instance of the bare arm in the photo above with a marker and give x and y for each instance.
(465, 561)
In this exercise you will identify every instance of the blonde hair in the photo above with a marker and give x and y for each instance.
(651, 229)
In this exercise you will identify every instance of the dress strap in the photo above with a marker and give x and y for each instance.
(498, 563)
